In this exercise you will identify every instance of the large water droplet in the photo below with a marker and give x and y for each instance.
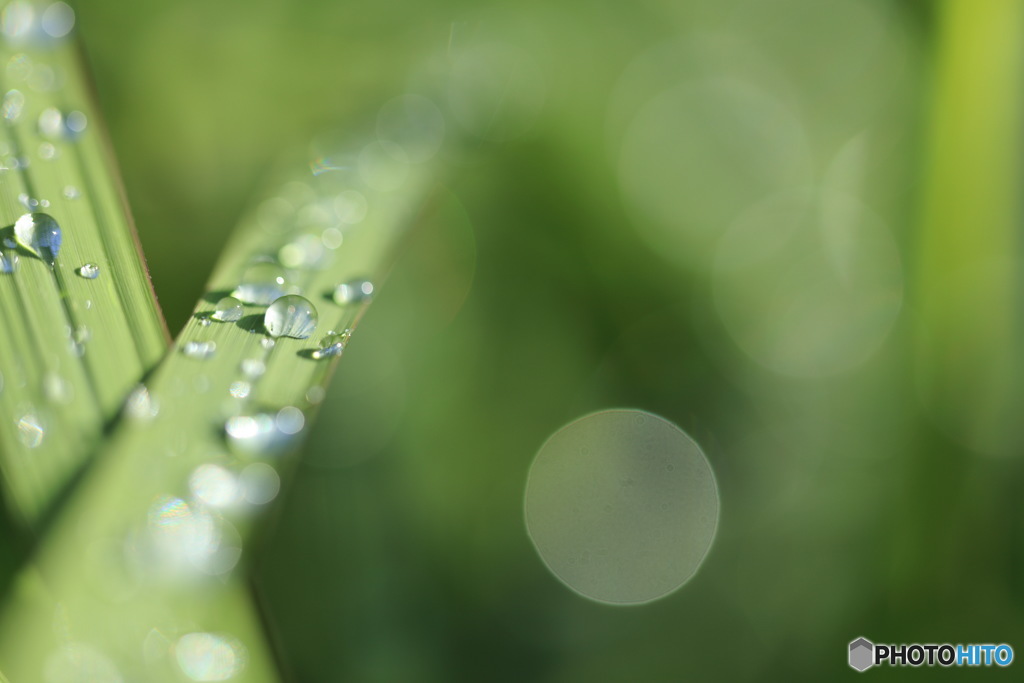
(229, 310)
(261, 284)
(90, 271)
(332, 345)
(291, 316)
(199, 349)
(39, 234)
(353, 292)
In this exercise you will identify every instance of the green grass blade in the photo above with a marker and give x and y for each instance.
(141, 559)
(73, 346)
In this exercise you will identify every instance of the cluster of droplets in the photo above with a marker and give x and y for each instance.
(25, 22)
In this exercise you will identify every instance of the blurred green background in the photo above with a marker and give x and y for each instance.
(788, 226)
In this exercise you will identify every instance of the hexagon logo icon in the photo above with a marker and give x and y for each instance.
(862, 654)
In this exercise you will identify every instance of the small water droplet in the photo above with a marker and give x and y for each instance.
(141, 405)
(332, 238)
(253, 367)
(260, 483)
(291, 316)
(214, 485)
(39, 234)
(209, 656)
(332, 345)
(257, 434)
(8, 262)
(199, 349)
(353, 292)
(228, 310)
(305, 251)
(90, 271)
(290, 420)
(203, 319)
(239, 389)
(30, 430)
(315, 394)
(53, 124)
(267, 343)
(71, 192)
(261, 284)
(56, 388)
(13, 103)
(47, 151)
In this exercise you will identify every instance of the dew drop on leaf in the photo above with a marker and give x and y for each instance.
(353, 292)
(90, 271)
(261, 284)
(39, 234)
(228, 310)
(291, 316)
(199, 349)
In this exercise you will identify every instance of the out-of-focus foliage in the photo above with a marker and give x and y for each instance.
(707, 210)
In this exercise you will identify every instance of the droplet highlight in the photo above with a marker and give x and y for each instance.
(261, 284)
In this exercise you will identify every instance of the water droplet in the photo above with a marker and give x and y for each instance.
(141, 405)
(8, 262)
(260, 483)
(261, 284)
(332, 238)
(56, 388)
(214, 485)
(290, 420)
(253, 367)
(58, 20)
(182, 535)
(40, 234)
(71, 192)
(228, 310)
(199, 349)
(267, 343)
(332, 345)
(53, 124)
(255, 435)
(18, 20)
(240, 389)
(90, 271)
(291, 316)
(305, 251)
(30, 430)
(315, 394)
(204, 320)
(47, 151)
(13, 103)
(353, 292)
(209, 657)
